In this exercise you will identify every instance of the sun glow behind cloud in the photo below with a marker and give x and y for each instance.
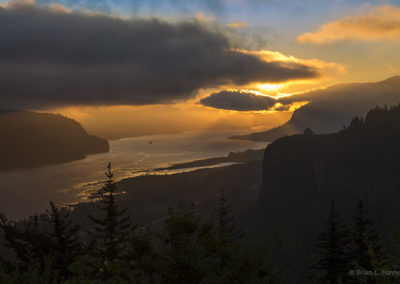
(323, 66)
(114, 122)
(330, 69)
(270, 87)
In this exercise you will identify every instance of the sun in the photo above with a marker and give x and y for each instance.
(270, 87)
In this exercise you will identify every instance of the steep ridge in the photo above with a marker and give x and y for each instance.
(303, 173)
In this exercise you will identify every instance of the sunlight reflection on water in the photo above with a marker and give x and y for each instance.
(28, 191)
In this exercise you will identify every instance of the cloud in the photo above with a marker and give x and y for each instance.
(275, 56)
(323, 110)
(54, 57)
(378, 23)
(243, 101)
(237, 25)
(204, 18)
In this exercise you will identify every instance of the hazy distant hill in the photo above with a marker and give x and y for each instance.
(302, 173)
(329, 109)
(32, 139)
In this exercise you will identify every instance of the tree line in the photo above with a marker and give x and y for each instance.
(186, 248)
(355, 254)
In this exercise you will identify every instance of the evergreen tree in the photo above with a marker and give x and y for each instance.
(236, 260)
(227, 234)
(333, 249)
(367, 250)
(185, 246)
(64, 237)
(142, 255)
(111, 229)
(26, 240)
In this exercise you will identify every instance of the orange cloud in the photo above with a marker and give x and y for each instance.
(59, 8)
(53, 7)
(237, 25)
(320, 65)
(14, 3)
(204, 18)
(377, 23)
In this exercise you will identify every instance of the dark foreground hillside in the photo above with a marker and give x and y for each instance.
(191, 242)
(33, 139)
(303, 173)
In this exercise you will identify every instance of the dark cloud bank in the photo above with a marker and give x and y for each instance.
(242, 101)
(50, 58)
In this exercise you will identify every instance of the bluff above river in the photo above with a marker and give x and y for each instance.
(30, 139)
(302, 173)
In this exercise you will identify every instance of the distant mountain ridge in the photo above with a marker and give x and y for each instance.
(31, 139)
(303, 173)
(331, 108)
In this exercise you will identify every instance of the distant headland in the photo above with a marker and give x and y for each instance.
(30, 139)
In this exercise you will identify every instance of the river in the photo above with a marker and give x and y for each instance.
(28, 191)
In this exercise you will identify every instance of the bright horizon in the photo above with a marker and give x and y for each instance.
(195, 49)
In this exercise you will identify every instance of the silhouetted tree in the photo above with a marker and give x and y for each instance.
(63, 234)
(227, 234)
(186, 244)
(236, 261)
(142, 255)
(110, 230)
(333, 249)
(308, 131)
(367, 250)
(26, 240)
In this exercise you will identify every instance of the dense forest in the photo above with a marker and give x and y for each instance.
(327, 212)
(186, 249)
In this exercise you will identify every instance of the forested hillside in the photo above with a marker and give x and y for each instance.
(303, 173)
(33, 139)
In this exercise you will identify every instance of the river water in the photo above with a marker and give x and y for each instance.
(28, 191)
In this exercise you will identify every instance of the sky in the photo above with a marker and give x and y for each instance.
(139, 67)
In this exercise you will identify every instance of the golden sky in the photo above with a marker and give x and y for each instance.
(156, 85)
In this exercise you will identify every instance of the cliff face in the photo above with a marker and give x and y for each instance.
(32, 139)
(360, 162)
(303, 173)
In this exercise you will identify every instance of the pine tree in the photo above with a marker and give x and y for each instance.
(185, 241)
(64, 237)
(236, 261)
(333, 249)
(142, 255)
(367, 250)
(28, 242)
(227, 234)
(111, 230)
